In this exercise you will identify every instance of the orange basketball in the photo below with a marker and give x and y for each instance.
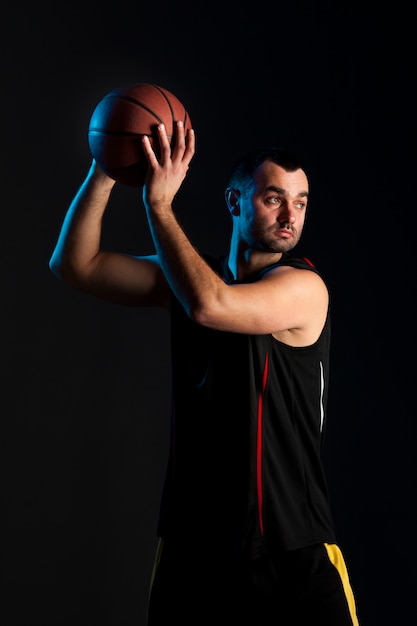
(122, 118)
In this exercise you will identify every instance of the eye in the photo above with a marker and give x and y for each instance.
(274, 200)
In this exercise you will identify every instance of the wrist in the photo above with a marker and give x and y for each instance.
(99, 177)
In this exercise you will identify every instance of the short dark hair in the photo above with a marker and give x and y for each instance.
(242, 171)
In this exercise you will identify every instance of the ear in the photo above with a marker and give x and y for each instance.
(232, 197)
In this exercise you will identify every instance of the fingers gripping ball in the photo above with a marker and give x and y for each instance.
(122, 118)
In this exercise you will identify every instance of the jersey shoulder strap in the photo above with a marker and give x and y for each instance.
(220, 265)
(302, 263)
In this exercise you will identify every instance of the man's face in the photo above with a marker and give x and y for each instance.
(273, 209)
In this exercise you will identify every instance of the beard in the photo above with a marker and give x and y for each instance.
(268, 240)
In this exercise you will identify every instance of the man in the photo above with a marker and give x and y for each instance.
(245, 523)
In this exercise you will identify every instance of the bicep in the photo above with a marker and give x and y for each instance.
(128, 280)
(286, 299)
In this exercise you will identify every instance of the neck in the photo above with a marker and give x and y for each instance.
(245, 262)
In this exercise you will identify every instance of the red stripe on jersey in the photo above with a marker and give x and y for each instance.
(308, 261)
(259, 445)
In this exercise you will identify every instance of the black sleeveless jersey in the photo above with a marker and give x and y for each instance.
(244, 473)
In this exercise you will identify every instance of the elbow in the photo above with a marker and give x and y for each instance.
(197, 315)
(62, 270)
(209, 308)
(55, 266)
(58, 267)
(203, 314)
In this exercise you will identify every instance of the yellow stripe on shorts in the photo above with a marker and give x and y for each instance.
(336, 558)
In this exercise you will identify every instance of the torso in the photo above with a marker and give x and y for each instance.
(244, 464)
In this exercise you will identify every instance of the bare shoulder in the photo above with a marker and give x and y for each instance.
(307, 280)
(307, 298)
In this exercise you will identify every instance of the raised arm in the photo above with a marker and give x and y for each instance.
(287, 302)
(79, 261)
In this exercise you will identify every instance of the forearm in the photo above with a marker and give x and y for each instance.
(79, 239)
(195, 284)
(189, 276)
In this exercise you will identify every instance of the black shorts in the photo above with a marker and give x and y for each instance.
(305, 587)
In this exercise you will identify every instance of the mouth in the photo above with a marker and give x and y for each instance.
(285, 233)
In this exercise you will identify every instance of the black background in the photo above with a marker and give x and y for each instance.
(85, 384)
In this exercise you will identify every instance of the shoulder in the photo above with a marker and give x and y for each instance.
(290, 266)
(301, 263)
(308, 299)
(300, 281)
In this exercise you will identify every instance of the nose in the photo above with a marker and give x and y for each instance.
(287, 217)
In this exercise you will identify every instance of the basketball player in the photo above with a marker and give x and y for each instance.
(245, 526)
